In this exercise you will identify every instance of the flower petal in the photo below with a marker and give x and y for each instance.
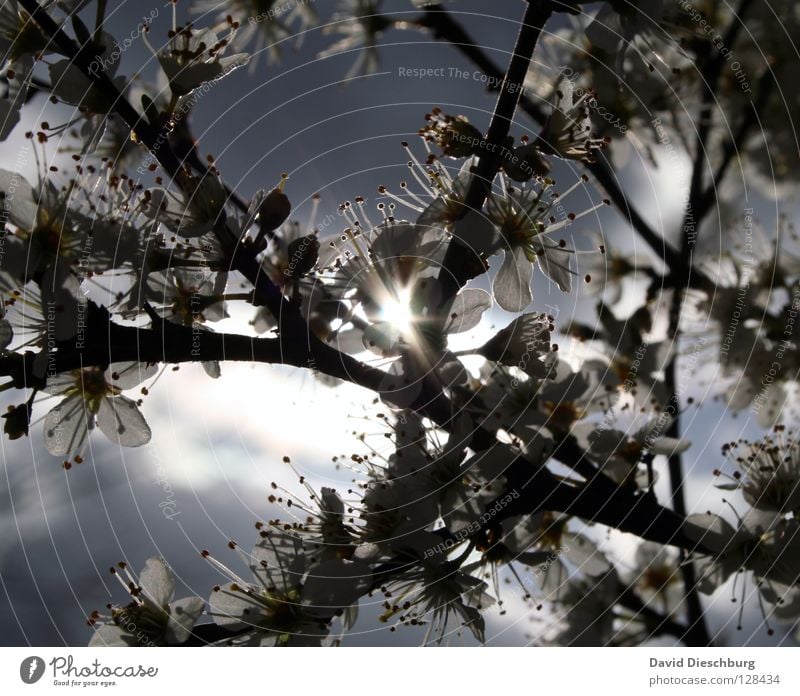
(20, 200)
(66, 427)
(231, 607)
(584, 553)
(183, 615)
(111, 636)
(279, 561)
(467, 310)
(126, 375)
(121, 421)
(512, 284)
(712, 531)
(554, 263)
(64, 298)
(334, 585)
(156, 582)
(670, 445)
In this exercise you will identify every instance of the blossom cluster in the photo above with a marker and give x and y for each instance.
(404, 297)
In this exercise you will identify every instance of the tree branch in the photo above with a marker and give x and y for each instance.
(710, 76)
(293, 328)
(457, 268)
(697, 632)
(598, 499)
(732, 146)
(444, 27)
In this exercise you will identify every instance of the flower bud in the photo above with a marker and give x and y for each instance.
(454, 134)
(303, 255)
(18, 420)
(274, 210)
(524, 163)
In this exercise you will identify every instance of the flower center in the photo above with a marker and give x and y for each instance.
(551, 532)
(146, 622)
(562, 414)
(92, 386)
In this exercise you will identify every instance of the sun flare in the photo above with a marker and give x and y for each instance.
(398, 312)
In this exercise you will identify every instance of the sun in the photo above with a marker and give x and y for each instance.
(397, 311)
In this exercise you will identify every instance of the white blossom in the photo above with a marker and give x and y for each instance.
(93, 398)
(292, 602)
(153, 617)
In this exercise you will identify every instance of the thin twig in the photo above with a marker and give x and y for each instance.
(456, 267)
(698, 632)
(599, 499)
(732, 146)
(444, 27)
